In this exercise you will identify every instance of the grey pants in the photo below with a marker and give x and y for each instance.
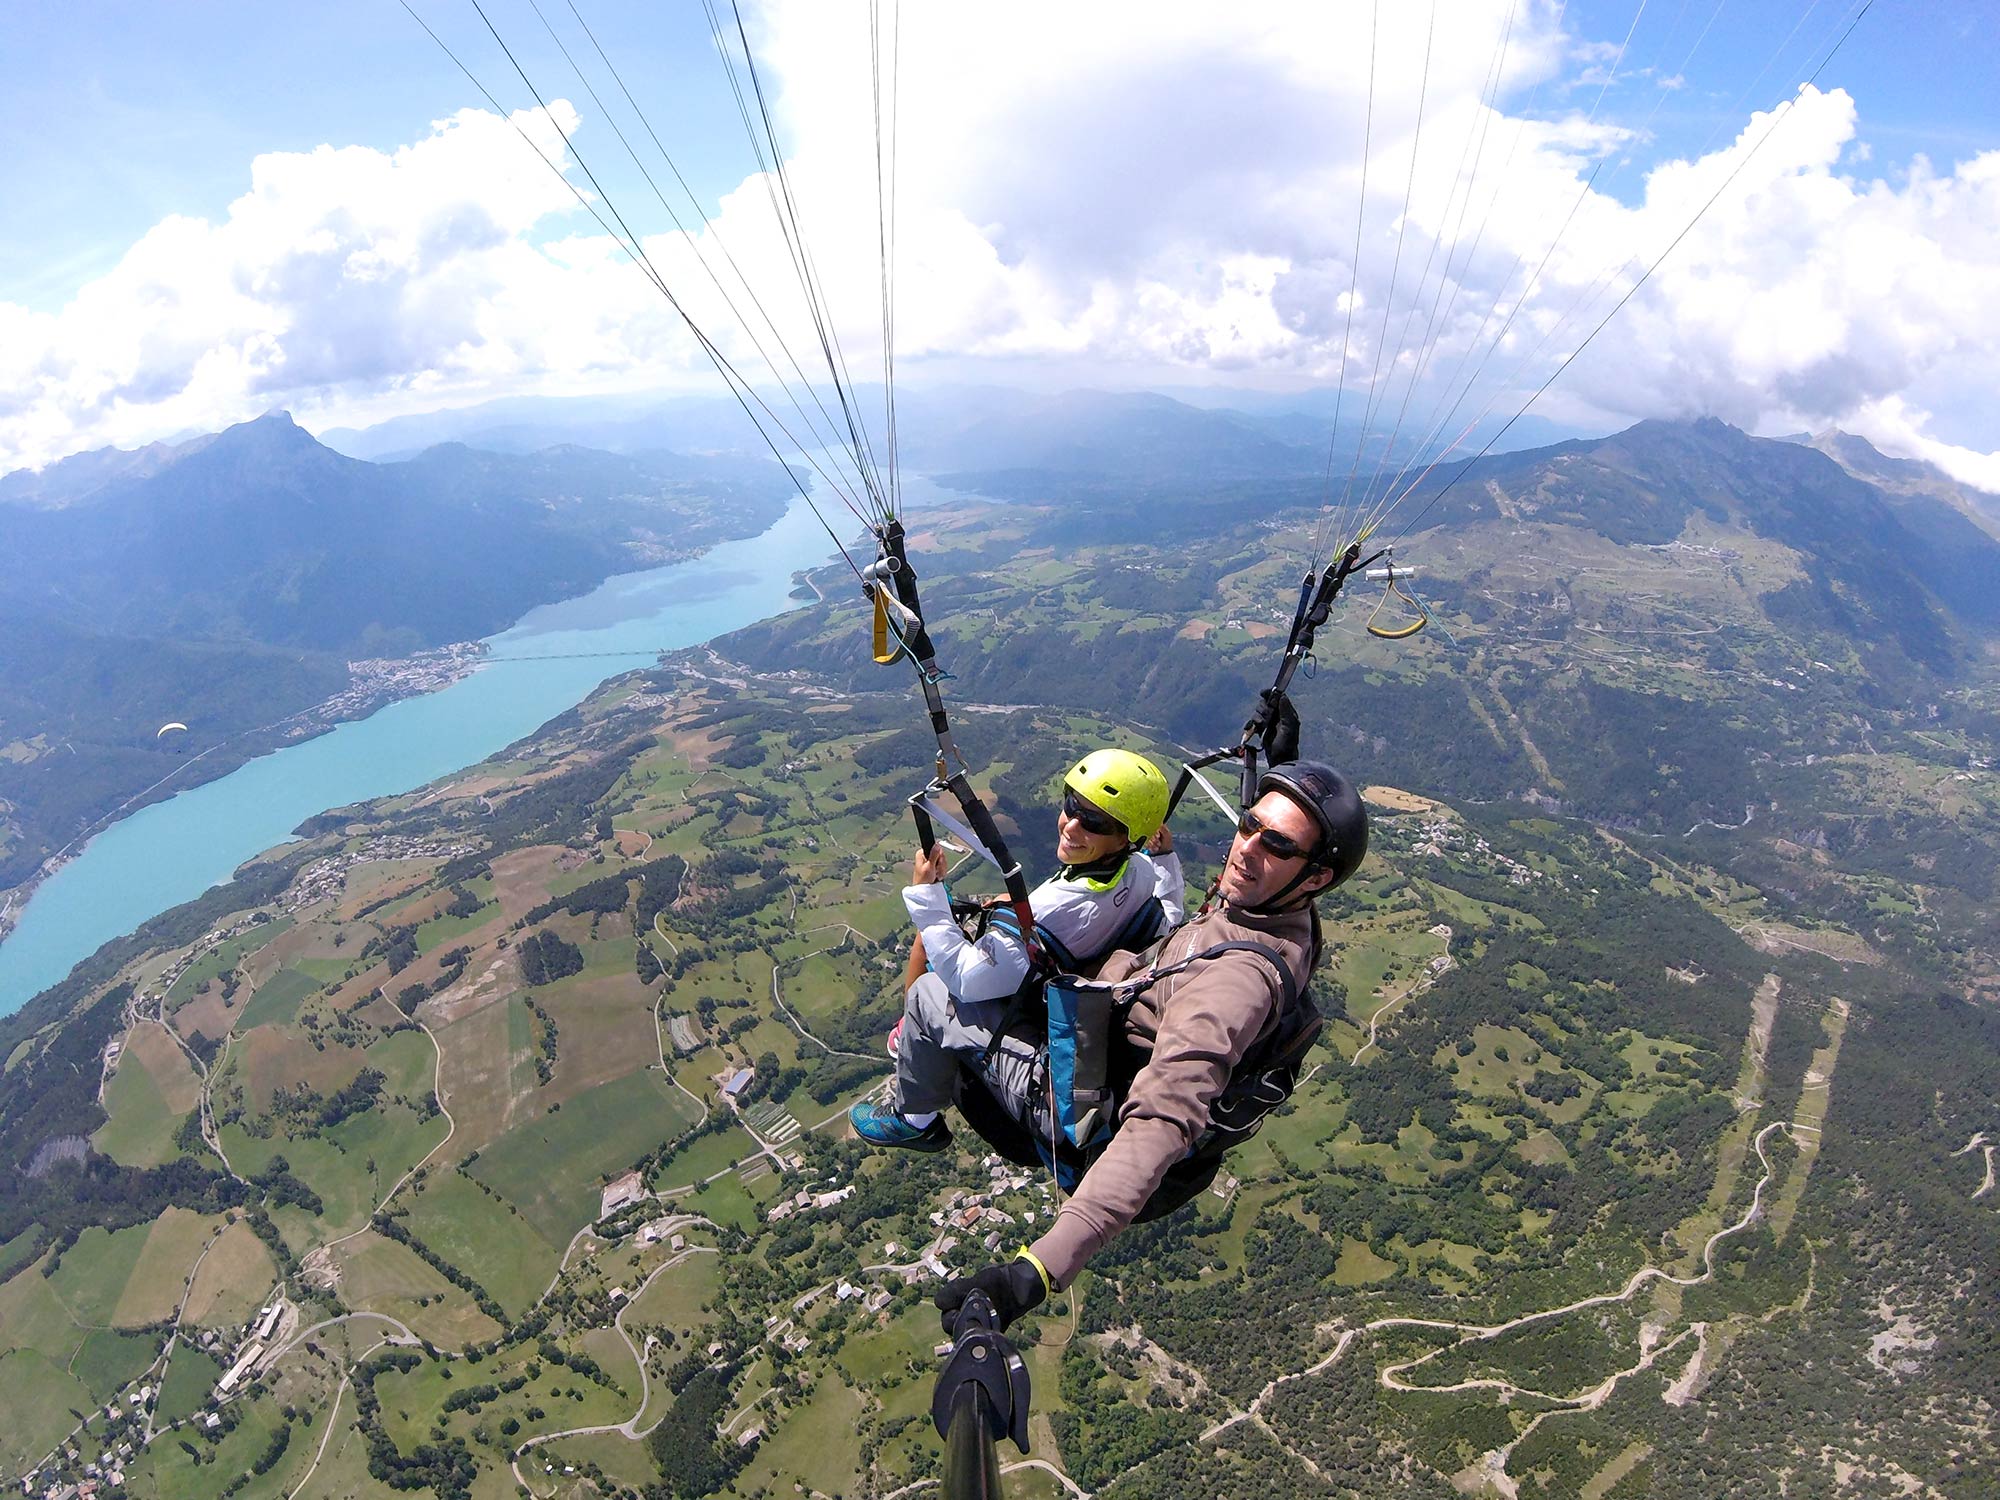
(943, 1036)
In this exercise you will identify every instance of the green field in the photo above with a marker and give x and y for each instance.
(352, 1164)
(38, 1396)
(17, 1251)
(336, 1163)
(818, 1446)
(92, 1278)
(676, 1298)
(343, 1469)
(191, 1375)
(380, 1275)
(410, 1400)
(225, 957)
(170, 1474)
(277, 999)
(32, 1316)
(478, 1234)
(443, 930)
(108, 1361)
(407, 1061)
(140, 1130)
(232, 1281)
(727, 1201)
(158, 1283)
(621, 1459)
(595, 1136)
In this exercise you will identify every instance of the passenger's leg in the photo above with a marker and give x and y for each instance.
(936, 1035)
(1016, 1074)
(913, 970)
(917, 966)
(939, 1033)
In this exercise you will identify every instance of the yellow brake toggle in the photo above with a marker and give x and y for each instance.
(1399, 632)
(887, 647)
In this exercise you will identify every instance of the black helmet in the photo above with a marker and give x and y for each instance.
(1331, 801)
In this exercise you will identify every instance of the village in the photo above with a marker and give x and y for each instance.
(375, 681)
(130, 1417)
(1448, 838)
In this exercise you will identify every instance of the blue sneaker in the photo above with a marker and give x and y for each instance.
(881, 1126)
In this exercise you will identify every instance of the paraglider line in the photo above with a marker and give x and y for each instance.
(830, 440)
(1353, 287)
(1686, 230)
(737, 385)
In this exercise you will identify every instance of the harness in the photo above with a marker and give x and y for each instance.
(1088, 1072)
(1048, 955)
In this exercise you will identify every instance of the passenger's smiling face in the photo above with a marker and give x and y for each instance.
(1077, 842)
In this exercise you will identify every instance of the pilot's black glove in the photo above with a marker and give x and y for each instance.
(1013, 1288)
(1281, 733)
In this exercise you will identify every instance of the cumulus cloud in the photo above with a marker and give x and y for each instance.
(342, 275)
(1136, 191)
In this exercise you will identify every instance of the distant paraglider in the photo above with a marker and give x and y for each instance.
(166, 729)
(173, 730)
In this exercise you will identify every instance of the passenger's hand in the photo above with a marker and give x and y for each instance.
(1013, 1287)
(1161, 842)
(928, 868)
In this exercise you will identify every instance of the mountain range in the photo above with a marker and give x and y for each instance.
(994, 432)
(229, 578)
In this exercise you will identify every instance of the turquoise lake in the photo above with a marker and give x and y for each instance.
(172, 851)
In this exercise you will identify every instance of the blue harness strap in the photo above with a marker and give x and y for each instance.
(1080, 1027)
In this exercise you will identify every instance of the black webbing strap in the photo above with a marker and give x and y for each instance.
(1317, 591)
(1129, 989)
(893, 570)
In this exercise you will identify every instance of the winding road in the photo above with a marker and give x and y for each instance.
(1980, 1142)
(333, 1411)
(451, 1129)
(1391, 1376)
(1415, 988)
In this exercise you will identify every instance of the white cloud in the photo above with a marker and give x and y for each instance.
(1808, 297)
(347, 276)
(1133, 190)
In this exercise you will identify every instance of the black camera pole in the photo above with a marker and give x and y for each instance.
(981, 1397)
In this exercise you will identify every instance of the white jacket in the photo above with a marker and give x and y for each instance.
(1080, 912)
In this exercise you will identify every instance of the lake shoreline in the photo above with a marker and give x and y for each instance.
(373, 684)
(185, 837)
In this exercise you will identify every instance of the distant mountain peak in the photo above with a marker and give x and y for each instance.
(276, 420)
(273, 434)
(1903, 478)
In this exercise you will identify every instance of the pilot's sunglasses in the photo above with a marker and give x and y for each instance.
(1279, 844)
(1093, 819)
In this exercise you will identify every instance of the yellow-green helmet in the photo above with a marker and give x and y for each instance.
(1127, 786)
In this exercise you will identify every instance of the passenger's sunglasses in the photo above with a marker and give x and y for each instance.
(1092, 819)
(1282, 845)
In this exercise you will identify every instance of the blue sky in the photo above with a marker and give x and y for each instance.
(1121, 194)
(125, 112)
(1922, 68)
